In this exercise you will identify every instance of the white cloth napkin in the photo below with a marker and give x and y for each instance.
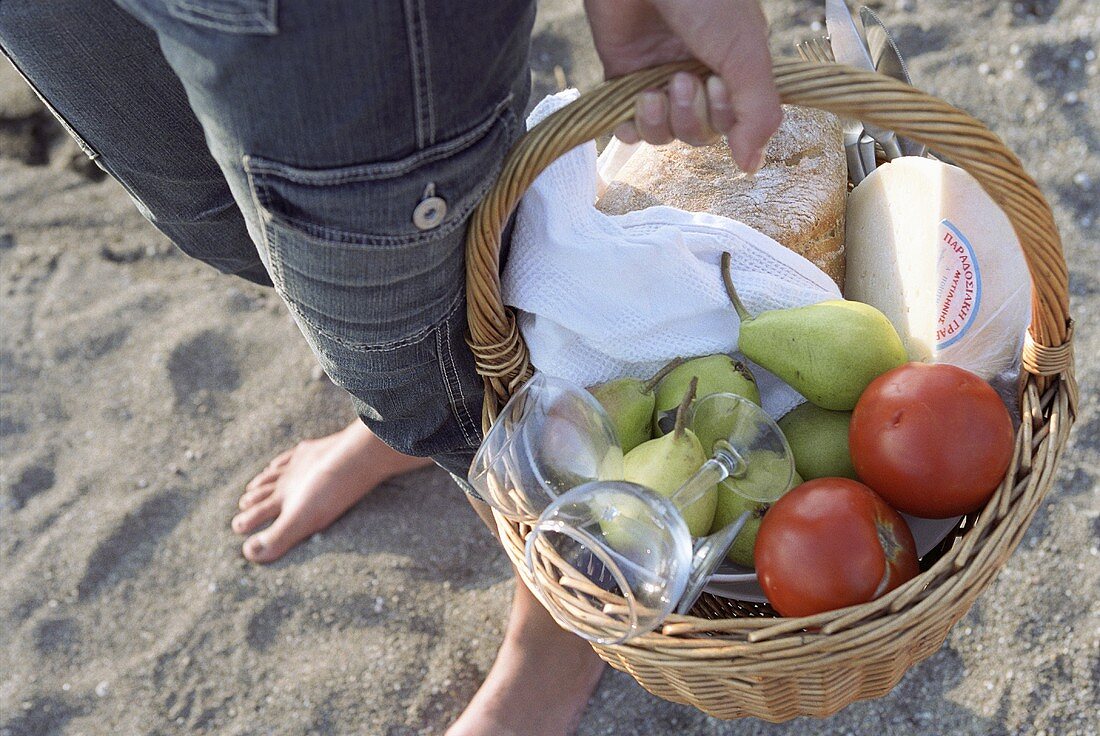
(600, 296)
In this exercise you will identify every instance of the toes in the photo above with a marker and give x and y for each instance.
(282, 458)
(254, 496)
(251, 518)
(265, 476)
(254, 549)
(272, 543)
(271, 472)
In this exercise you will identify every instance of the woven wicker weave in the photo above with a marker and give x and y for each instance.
(729, 659)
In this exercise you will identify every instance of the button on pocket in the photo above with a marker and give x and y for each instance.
(429, 214)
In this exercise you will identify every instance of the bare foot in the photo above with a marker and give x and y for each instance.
(540, 682)
(305, 489)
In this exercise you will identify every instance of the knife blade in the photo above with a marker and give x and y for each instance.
(888, 60)
(836, 14)
(847, 45)
(848, 49)
(885, 54)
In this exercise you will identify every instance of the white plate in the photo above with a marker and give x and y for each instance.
(734, 581)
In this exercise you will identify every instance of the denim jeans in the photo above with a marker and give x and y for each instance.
(331, 148)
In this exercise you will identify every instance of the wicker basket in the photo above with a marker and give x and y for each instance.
(731, 659)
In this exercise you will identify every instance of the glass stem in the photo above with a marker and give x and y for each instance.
(727, 535)
(726, 462)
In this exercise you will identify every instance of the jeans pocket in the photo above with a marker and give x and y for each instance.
(230, 16)
(377, 284)
(347, 249)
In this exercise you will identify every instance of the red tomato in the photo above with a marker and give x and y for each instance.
(933, 440)
(831, 543)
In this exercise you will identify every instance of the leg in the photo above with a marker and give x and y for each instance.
(542, 677)
(129, 112)
(356, 139)
(540, 682)
(380, 296)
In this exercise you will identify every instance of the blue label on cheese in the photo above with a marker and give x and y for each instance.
(960, 287)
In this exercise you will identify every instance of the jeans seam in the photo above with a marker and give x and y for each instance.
(274, 265)
(84, 146)
(453, 382)
(360, 346)
(218, 19)
(412, 32)
(342, 237)
(427, 58)
(387, 170)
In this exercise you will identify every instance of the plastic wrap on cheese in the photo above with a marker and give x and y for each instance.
(930, 249)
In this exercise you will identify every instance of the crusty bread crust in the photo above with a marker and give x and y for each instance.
(798, 197)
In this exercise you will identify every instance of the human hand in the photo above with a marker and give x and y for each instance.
(729, 36)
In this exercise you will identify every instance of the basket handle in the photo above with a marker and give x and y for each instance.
(501, 355)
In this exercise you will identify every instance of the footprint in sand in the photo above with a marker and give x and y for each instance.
(44, 714)
(1081, 284)
(356, 611)
(35, 478)
(188, 697)
(56, 635)
(915, 39)
(203, 369)
(263, 626)
(96, 345)
(131, 546)
(1041, 10)
(10, 426)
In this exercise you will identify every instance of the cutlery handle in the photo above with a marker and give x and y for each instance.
(890, 145)
(855, 164)
(866, 151)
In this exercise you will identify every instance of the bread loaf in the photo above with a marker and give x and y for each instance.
(798, 197)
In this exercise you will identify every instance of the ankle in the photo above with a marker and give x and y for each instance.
(540, 682)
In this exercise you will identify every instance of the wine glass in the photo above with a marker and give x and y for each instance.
(751, 455)
(624, 539)
(550, 437)
(621, 538)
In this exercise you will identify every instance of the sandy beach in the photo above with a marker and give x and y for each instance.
(141, 390)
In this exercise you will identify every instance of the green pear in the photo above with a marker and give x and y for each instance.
(766, 475)
(829, 352)
(715, 374)
(665, 463)
(622, 525)
(730, 506)
(819, 440)
(714, 420)
(629, 403)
